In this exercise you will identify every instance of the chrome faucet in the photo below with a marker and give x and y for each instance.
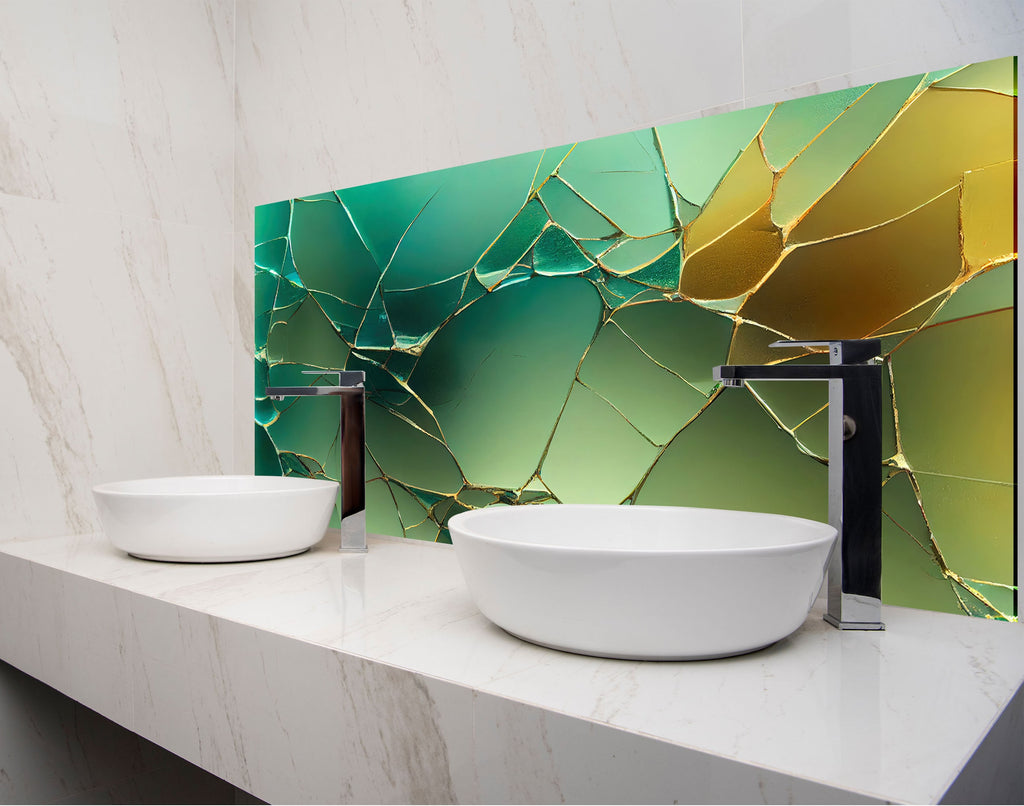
(352, 448)
(854, 469)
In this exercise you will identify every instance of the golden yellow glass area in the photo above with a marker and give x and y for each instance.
(847, 288)
(987, 206)
(939, 135)
(734, 263)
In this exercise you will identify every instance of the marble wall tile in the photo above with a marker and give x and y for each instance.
(120, 106)
(820, 45)
(390, 89)
(115, 344)
(116, 309)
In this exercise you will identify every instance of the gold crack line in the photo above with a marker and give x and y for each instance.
(508, 271)
(880, 224)
(534, 187)
(810, 417)
(673, 194)
(954, 578)
(359, 232)
(759, 137)
(433, 284)
(509, 224)
(409, 488)
(909, 534)
(827, 127)
(279, 271)
(914, 96)
(963, 478)
(618, 411)
(646, 288)
(927, 324)
(993, 584)
(303, 457)
(788, 248)
(782, 426)
(989, 90)
(553, 173)
(651, 358)
(920, 326)
(565, 401)
(619, 230)
(415, 395)
(643, 479)
(616, 273)
(959, 580)
(377, 286)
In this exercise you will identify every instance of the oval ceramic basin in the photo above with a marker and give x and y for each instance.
(209, 519)
(646, 583)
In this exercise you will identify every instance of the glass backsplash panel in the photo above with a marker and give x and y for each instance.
(541, 328)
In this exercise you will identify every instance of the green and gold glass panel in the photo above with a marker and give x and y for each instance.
(541, 328)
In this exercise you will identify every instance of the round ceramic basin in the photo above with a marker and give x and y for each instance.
(646, 583)
(208, 519)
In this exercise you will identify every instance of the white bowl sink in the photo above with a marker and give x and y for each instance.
(211, 519)
(647, 583)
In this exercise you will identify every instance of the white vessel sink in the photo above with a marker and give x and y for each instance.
(209, 519)
(647, 583)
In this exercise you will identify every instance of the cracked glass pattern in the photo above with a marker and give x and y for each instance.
(541, 328)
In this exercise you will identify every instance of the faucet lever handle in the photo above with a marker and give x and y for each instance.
(798, 343)
(841, 351)
(348, 378)
(337, 375)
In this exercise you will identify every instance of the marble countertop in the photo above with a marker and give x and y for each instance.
(892, 715)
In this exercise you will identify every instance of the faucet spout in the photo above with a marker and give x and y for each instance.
(352, 448)
(854, 469)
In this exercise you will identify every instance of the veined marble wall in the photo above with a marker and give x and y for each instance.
(116, 319)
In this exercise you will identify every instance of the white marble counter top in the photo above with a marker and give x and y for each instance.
(373, 678)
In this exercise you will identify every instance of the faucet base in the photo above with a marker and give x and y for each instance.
(853, 625)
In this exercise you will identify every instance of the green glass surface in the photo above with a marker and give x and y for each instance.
(796, 123)
(991, 291)
(911, 574)
(998, 75)
(576, 216)
(651, 397)
(512, 244)
(685, 338)
(614, 462)
(556, 253)
(541, 328)
(938, 376)
(522, 343)
(272, 222)
(306, 332)
(663, 273)
(723, 457)
(718, 140)
(636, 195)
(966, 517)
